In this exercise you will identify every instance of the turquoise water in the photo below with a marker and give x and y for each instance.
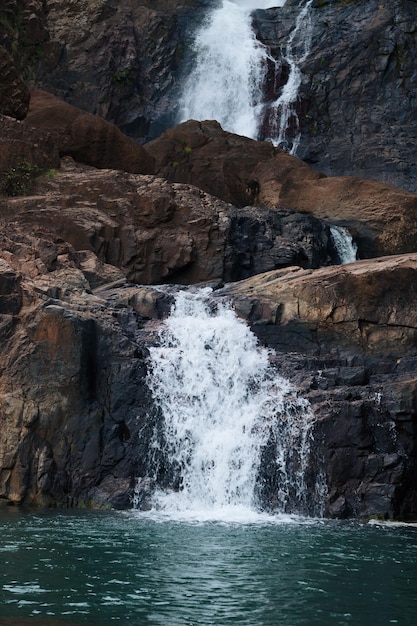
(124, 568)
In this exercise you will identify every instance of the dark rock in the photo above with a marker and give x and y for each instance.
(361, 58)
(14, 95)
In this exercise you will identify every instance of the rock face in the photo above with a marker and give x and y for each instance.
(355, 103)
(116, 60)
(381, 218)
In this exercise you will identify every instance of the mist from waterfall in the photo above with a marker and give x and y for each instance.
(230, 69)
(223, 406)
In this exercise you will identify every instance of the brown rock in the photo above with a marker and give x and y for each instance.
(367, 306)
(204, 155)
(87, 138)
(381, 218)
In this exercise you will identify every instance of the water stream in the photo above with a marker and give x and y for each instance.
(225, 412)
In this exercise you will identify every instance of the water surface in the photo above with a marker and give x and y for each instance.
(62, 568)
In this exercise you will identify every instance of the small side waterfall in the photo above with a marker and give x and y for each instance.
(225, 411)
(230, 69)
(346, 249)
(283, 122)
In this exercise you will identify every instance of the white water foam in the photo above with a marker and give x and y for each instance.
(222, 403)
(226, 82)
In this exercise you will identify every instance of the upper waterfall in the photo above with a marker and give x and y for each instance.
(228, 417)
(230, 70)
(283, 121)
(226, 81)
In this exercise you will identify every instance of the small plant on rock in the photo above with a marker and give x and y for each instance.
(18, 180)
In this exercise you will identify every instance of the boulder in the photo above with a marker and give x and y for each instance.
(204, 155)
(87, 138)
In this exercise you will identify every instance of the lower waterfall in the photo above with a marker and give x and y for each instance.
(230, 424)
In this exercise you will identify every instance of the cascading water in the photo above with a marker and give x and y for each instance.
(223, 407)
(226, 83)
(283, 121)
(346, 248)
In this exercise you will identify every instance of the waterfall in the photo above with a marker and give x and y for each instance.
(283, 121)
(226, 83)
(225, 411)
(346, 248)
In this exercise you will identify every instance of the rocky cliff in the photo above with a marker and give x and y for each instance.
(91, 223)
